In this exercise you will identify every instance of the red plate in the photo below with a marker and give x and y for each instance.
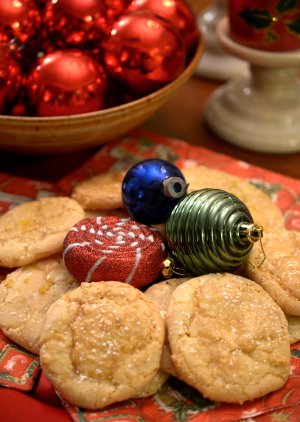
(175, 401)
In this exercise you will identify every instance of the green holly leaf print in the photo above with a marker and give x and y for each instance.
(190, 393)
(145, 143)
(285, 5)
(256, 18)
(4, 375)
(295, 353)
(295, 26)
(270, 37)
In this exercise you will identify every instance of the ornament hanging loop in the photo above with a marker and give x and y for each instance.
(253, 233)
(169, 269)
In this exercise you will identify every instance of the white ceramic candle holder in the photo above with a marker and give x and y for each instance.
(260, 112)
(215, 62)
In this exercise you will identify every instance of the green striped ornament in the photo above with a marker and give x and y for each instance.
(210, 230)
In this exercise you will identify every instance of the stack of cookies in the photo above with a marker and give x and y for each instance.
(101, 342)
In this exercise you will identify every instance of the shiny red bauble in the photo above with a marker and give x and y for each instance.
(115, 7)
(20, 20)
(176, 11)
(144, 52)
(10, 79)
(66, 82)
(67, 57)
(20, 107)
(78, 23)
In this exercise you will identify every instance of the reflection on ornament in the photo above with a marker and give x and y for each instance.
(20, 20)
(210, 230)
(66, 82)
(150, 190)
(115, 7)
(144, 52)
(77, 23)
(176, 11)
(19, 108)
(10, 79)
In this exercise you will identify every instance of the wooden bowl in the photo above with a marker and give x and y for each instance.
(51, 135)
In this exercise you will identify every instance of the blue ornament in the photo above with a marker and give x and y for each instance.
(150, 190)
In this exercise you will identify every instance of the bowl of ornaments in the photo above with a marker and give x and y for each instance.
(76, 74)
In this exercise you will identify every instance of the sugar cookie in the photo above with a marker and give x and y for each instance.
(25, 296)
(36, 229)
(100, 192)
(294, 328)
(228, 338)
(160, 293)
(101, 343)
(154, 385)
(260, 205)
(113, 248)
(279, 274)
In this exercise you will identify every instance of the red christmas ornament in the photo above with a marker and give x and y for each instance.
(66, 82)
(20, 20)
(113, 248)
(41, 4)
(78, 23)
(10, 79)
(115, 8)
(176, 11)
(144, 52)
(20, 108)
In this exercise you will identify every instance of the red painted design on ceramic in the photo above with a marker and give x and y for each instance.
(272, 25)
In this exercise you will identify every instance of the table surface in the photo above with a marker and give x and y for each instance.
(181, 117)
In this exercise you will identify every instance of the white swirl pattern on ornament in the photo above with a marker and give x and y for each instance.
(121, 238)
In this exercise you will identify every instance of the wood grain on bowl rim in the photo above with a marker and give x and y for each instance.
(51, 135)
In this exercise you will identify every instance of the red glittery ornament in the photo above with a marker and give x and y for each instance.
(10, 79)
(144, 52)
(20, 20)
(113, 248)
(78, 23)
(66, 82)
(176, 11)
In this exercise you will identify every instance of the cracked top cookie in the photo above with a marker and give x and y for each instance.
(260, 205)
(36, 229)
(102, 343)
(25, 296)
(228, 338)
(279, 272)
